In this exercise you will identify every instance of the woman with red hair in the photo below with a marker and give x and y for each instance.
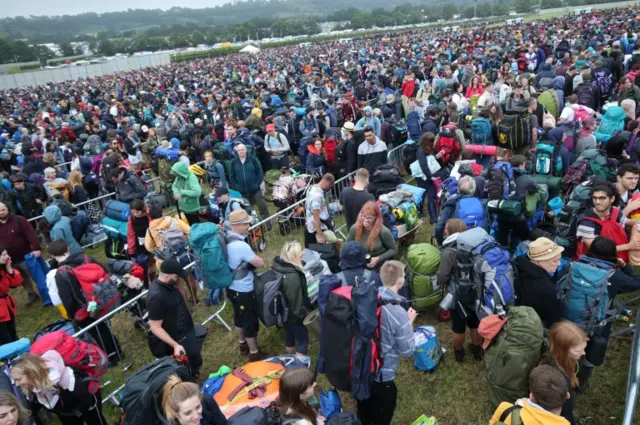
(376, 239)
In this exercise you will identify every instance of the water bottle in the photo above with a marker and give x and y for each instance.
(447, 301)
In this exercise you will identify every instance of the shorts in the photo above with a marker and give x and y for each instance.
(245, 311)
(135, 159)
(459, 323)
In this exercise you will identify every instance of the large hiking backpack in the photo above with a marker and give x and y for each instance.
(423, 261)
(409, 154)
(514, 131)
(603, 80)
(93, 145)
(142, 394)
(610, 229)
(549, 98)
(350, 341)
(583, 291)
(585, 96)
(512, 354)
(75, 353)
(272, 306)
(599, 165)
(79, 225)
(484, 274)
(210, 249)
(449, 143)
(546, 160)
(470, 210)
(172, 242)
(500, 181)
(96, 287)
(567, 219)
(481, 132)
(612, 123)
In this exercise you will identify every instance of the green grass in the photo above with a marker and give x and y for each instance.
(455, 393)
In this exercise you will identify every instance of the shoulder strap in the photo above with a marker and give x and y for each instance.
(366, 276)
(515, 419)
(342, 278)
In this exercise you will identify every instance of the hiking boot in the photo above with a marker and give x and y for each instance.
(459, 354)
(31, 298)
(257, 356)
(584, 373)
(476, 352)
(244, 348)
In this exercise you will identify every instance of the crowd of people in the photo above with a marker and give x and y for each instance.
(525, 132)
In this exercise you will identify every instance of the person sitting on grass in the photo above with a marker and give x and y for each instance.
(183, 404)
(370, 232)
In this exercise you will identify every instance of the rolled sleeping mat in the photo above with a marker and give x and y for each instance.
(505, 208)
(553, 183)
(117, 210)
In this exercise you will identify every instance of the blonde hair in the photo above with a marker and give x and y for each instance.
(74, 179)
(629, 108)
(10, 400)
(49, 159)
(174, 393)
(34, 368)
(391, 272)
(291, 252)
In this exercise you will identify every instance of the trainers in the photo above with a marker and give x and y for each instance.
(31, 298)
(254, 357)
(244, 348)
(459, 355)
(476, 352)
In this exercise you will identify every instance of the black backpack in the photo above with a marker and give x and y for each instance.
(142, 395)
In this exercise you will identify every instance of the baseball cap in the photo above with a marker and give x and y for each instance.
(271, 127)
(171, 266)
(221, 191)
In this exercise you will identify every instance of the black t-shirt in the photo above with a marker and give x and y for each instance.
(166, 303)
(352, 201)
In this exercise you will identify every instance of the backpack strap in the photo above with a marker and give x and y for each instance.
(366, 276)
(514, 411)
(342, 278)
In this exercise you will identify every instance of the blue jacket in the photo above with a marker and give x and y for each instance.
(413, 126)
(246, 178)
(448, 211)
(61, 228)
(315, 163)
(372, 121)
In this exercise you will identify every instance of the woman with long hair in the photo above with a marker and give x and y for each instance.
(296, 387)
(294, 289)
(11, 411)
(183, 404)
(377, 240)
(475, 87)
(427, 149)
(58, 388)
(316, 162)
(9, 278)
(77, 193)
(567, 343)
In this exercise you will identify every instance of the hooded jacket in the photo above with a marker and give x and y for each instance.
(186, 186)
(353, 260)
(130, 188)
(25, 200)
(61, 228)
(372, 156)
(152, 239)
(7, 302)
(530, 414)
(396, 335)
(534, 288)
(294, 289)
(524, 185)
(315, 162)
(558, 86)
(246, 178)
(372, 121)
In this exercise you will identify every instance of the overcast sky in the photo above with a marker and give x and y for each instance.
(11, 8)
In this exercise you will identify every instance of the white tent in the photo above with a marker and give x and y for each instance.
(250, 49)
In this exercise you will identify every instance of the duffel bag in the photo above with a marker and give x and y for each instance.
(505, 208)
(115, 229)
(117, 210)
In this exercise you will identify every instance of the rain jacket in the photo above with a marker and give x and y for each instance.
(294, 289)
(61, 228)
(186, 186)
(315, 162)
(372, 121)
(530, 413)
(7, 302)
(130, 188)
(246, 178)
(396, 335)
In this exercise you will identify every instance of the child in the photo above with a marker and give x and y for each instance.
(549, 391)
(396, 340)
(215, 171)
(296, 388)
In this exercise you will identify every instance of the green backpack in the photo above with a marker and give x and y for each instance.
(424, 260)
(270, 179)
(514, 412)
(599, 165)
(512, 354)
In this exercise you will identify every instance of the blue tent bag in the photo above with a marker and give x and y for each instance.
(428, 352)
(38, 270)
(417, 192)
(15, 348)
(330, 403)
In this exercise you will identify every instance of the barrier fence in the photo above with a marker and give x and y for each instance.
(634, 378)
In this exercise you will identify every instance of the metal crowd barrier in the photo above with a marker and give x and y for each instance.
(634, 378)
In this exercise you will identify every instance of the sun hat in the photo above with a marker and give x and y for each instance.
(349, 126)
(239, 217)
(544, 249)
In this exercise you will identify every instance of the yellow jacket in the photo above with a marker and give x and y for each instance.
(529, 415)
(152, 240)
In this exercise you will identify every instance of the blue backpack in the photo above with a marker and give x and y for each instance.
(481, 132)
(612, 123)
(210, 250)
(584, 294)
(546, 160)
(428, 351)
(484, 274)
(79, 225)
(470, 210)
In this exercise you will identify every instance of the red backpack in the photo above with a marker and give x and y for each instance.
(75, 353)
(611, 229)
(96, 287)
(449, 143)
(330, 145)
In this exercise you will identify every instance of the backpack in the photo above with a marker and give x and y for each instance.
(142, 393)
(567, 219)
(583, 292)
(599, 165)
(484, 274)
(255, 415)
(79, 225)
(603, 80)
(612, 123)
(409, 154)
(342, 153)
(481, 132)
(549, 98)
(611, 229)
(366, 276)
(428, 352)
(173, 242)
(514, 131)
(210, 249)
(585, 96)
(512, 354)
(423, 260)
(330, 147)
(470, 210)
(350, 341)
(546, 160)
(75, 353)
(272, 305)
(500, 181)
(303, 148)
(449, 143)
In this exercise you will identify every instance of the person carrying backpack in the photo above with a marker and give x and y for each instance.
(61, 229)
(277, 145)
(186, 190)
(465, 206)
(548, 393)
(245, 174)
(353, 266)
(396, 340)
(603, 79)
(588, 94)
(127, 186)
